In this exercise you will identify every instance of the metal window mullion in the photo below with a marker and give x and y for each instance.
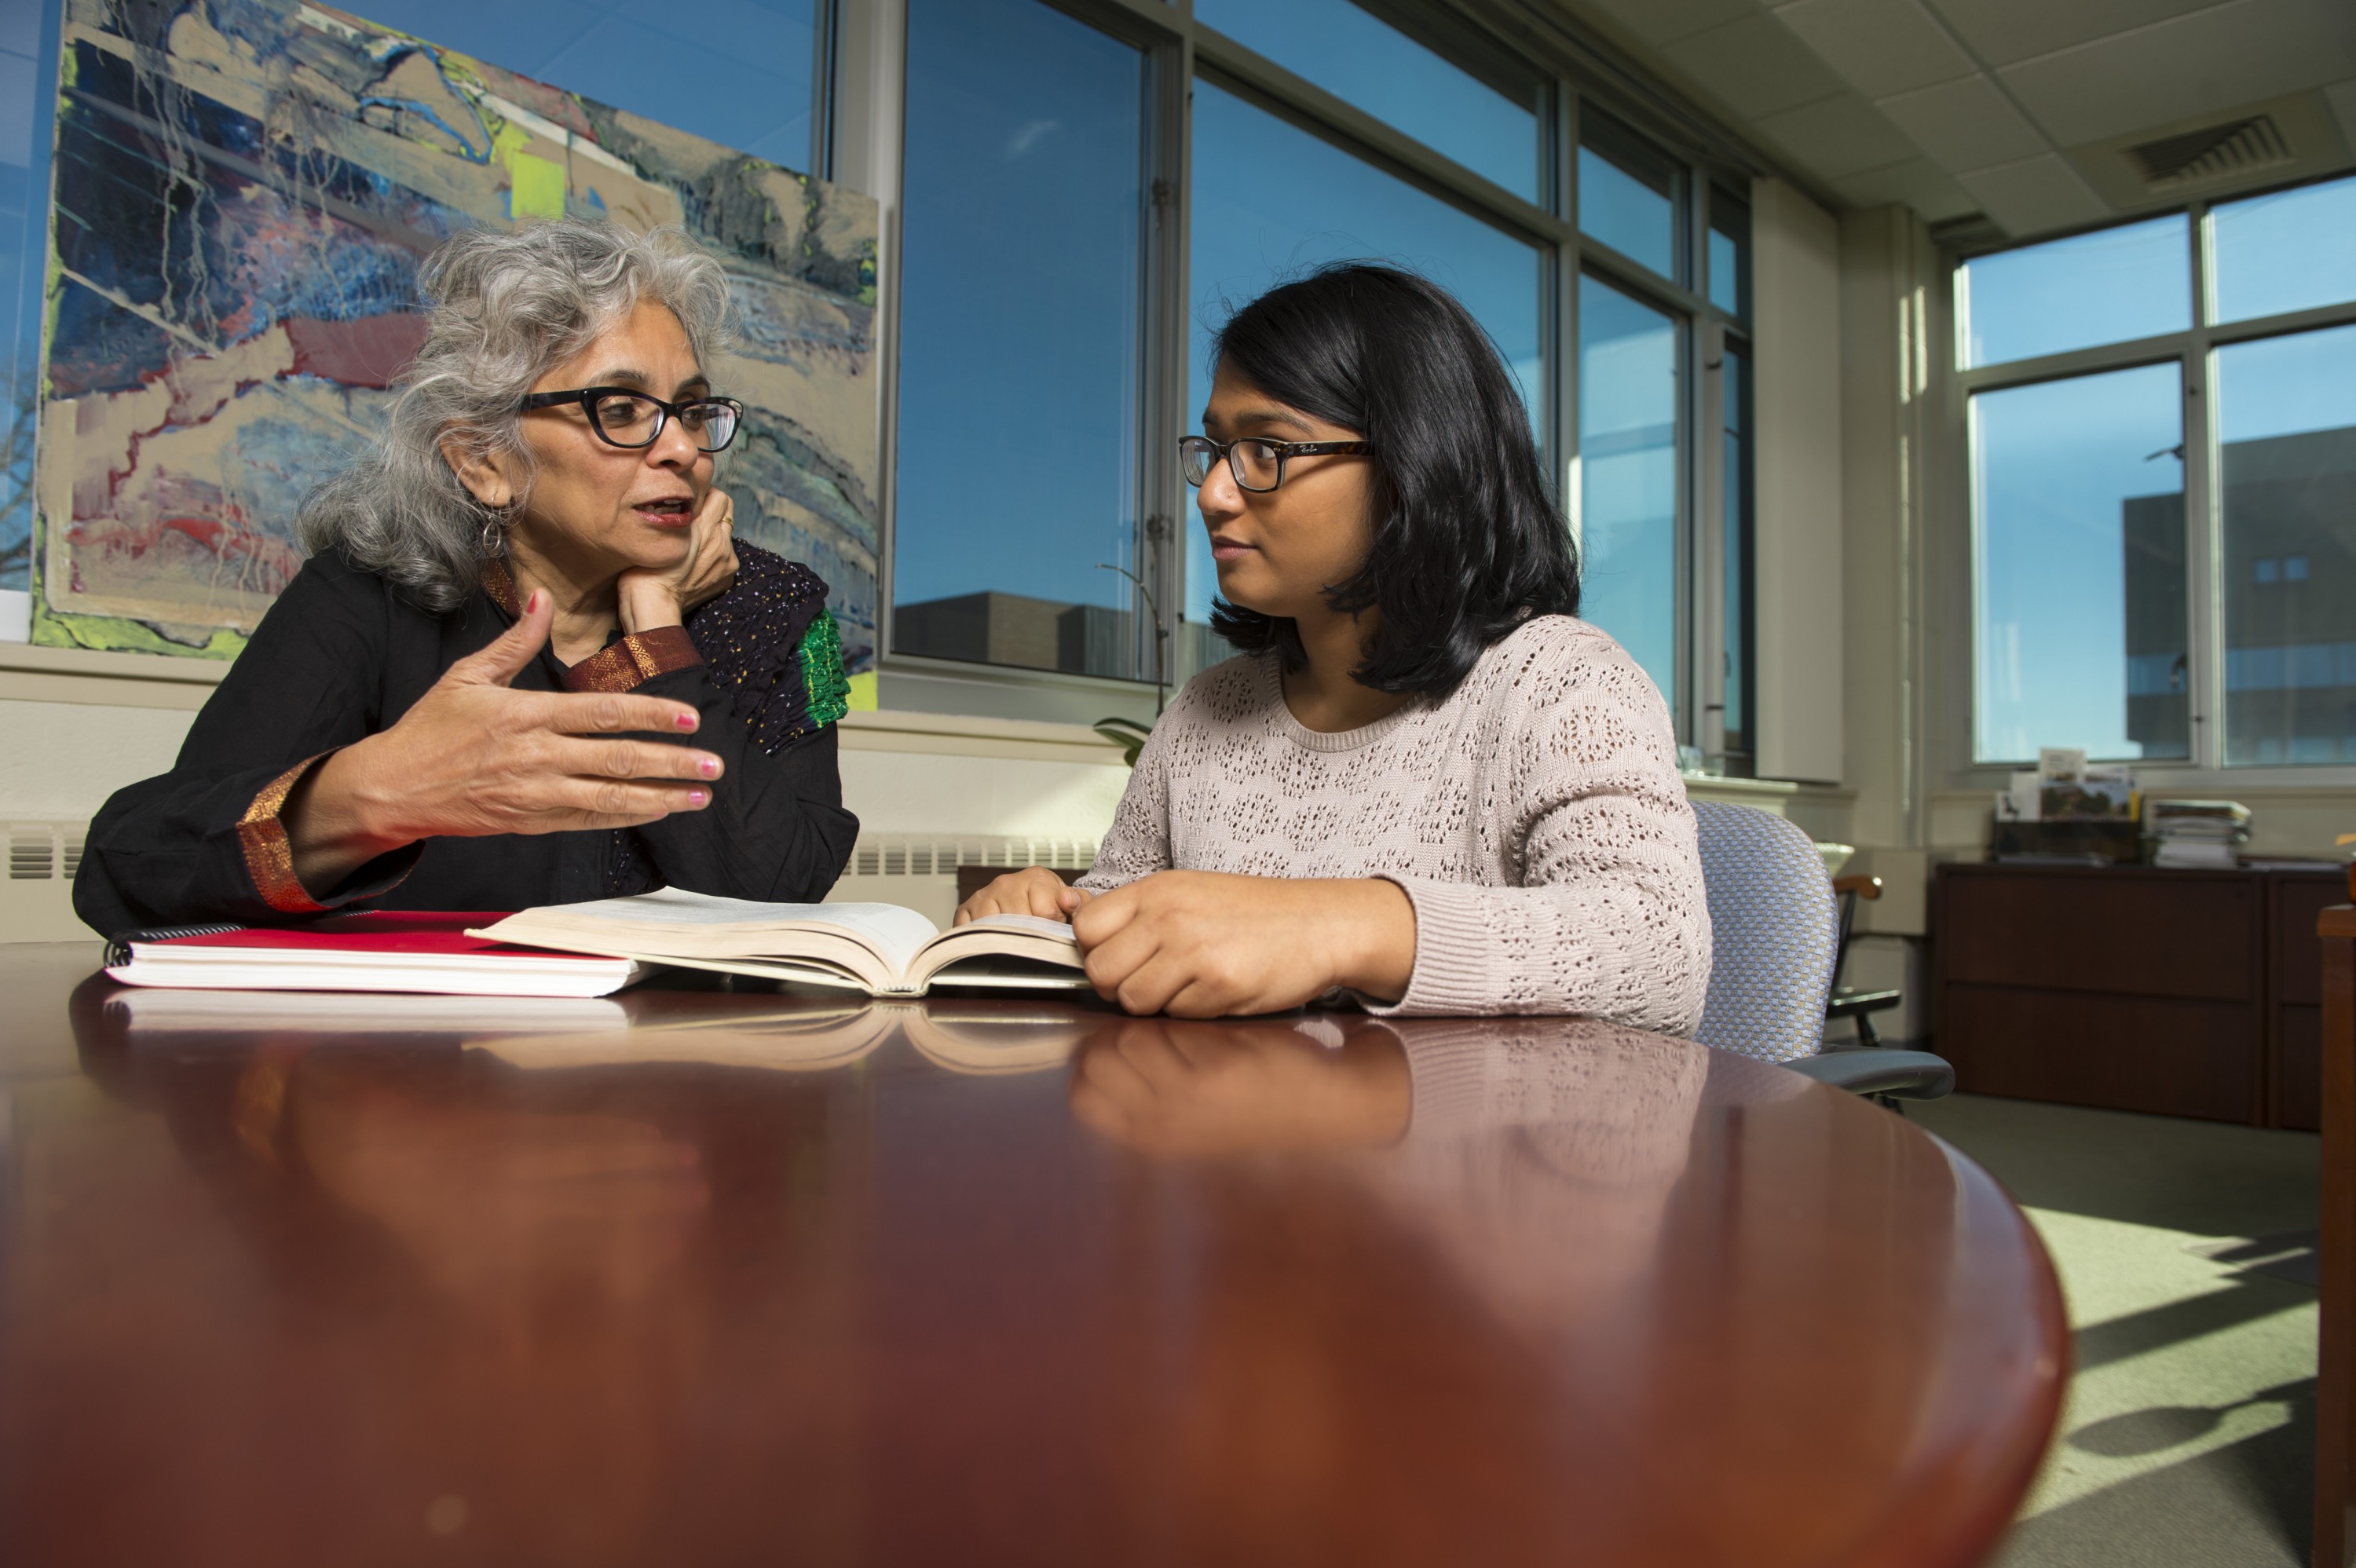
(1161, 544)
(1636, 278)
(2204, 633)
(2204, 599)
(868, 104)
(1570, 260)
(1706, 528)
(2316, 318)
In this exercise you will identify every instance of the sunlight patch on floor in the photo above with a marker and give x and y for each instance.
(2179, 1356)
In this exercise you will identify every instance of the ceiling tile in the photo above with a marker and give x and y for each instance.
(1966, 125)
(1666, 21)
(1755, 66)
(1918, 183)
(1837, 136)
(2213, 60)
(2003, 31)
(1882, 47)
(2035, 196)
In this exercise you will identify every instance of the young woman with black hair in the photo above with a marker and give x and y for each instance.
(1428, 783)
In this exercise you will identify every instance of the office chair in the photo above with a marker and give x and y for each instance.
(1847, 1002)
(1774, 942)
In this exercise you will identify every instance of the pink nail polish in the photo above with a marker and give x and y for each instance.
(698, 796)
(709, 767)
(687, 721)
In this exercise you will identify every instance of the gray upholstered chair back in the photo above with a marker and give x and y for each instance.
(1774, 932)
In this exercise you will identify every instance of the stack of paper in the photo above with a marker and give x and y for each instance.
(2206, 834)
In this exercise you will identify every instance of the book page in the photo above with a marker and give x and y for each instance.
(892, 933)
(1036, 925)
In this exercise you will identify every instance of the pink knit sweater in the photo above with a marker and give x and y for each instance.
(1535, 818)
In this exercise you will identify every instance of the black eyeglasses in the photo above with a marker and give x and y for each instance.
(1258, 464)
(625, 418)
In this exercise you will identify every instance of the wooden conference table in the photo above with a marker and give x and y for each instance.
(700, 1277)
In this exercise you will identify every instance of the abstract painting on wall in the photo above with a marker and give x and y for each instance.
(245, 191)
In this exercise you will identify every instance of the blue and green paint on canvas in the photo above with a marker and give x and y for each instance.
(243, 192)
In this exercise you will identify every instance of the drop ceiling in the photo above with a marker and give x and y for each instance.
(2024, 113)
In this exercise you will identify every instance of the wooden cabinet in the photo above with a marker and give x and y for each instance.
(2176, 992)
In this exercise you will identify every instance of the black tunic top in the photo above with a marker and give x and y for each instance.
(343, 653)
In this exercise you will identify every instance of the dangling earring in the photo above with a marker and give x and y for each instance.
(495, 538)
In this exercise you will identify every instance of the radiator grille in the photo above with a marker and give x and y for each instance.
(44, 851)
(911, 855)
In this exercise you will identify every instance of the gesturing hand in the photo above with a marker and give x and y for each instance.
(1205, 944)
(651, 599)
(473, 757)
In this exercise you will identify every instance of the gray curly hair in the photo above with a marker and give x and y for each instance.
(508, 306)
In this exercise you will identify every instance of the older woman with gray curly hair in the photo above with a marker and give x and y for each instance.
(526, 662)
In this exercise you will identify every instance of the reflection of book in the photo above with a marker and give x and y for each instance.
(964, 1039)
(806, 1040)
(882, 949)
(991, 1041)
(345, 1012)
(390, 951)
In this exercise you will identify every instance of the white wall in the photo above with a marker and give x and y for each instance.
(1796, 304)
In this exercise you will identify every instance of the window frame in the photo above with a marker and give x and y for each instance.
(869, 40)
(2194, 352)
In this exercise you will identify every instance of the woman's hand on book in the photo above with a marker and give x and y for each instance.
(473, 757)
(1033, 889)
(1209, 944)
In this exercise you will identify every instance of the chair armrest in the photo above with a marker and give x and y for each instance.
(1866, 888)
(1901, 1074)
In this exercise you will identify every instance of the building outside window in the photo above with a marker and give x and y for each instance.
(2162, 429)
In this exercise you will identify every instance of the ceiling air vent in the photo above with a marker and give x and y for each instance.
(2212, 153)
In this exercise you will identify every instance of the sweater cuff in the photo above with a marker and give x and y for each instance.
(270, 854)
(1453, 947)
(629, 662)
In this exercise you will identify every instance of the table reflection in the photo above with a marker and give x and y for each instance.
(688, 1275)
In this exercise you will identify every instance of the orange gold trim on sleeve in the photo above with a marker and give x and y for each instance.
(269, 856)
(630, 662)
(500, 583)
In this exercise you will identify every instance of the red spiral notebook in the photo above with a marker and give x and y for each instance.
(376, 951)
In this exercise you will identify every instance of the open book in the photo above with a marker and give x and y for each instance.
(882, 949)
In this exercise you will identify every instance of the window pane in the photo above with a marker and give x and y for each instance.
(1631, 198)
(1019, 291)
(1248, 236)
(1735, 434)
(2105, 287)
(2291, 250)
(1729, 254)
(2286, 465)
(1487, 122)
(737, 72)
(2078, 540)
(1628, 360)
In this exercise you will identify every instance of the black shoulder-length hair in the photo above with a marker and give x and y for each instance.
(1468, 543)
